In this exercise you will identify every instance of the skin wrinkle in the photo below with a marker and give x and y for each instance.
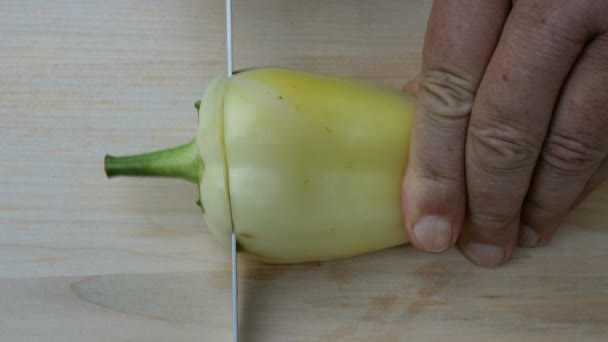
(573, 161)
(446, 123)
(446, 95)
(567, 155)
(432, 173)
(509, 140)
(500, 219)
(498, 230)
(521, 86)
(502, 147)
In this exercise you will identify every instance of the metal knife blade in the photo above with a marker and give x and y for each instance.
(235, 304)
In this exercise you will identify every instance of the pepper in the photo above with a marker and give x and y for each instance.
(307, 166)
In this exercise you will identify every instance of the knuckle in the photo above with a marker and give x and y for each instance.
(502, 147)
(446, 96)
(571, 154)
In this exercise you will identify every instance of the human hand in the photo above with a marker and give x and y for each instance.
(511, 123)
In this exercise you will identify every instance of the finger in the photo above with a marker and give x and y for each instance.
(575, 147)
(461, 36)
(600, 176)
(509, 122)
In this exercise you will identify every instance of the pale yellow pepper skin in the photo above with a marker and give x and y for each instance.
(307, 167)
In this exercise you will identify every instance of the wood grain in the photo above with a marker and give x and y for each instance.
(86, 259)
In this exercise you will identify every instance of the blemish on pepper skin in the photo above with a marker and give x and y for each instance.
(246, 235)
(328, 130)
(280, 97)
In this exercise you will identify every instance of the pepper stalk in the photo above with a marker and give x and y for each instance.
(180, 162)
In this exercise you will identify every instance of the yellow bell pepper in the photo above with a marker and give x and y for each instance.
(307, 167)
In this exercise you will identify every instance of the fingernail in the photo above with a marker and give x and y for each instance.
(484, 255)
(528, 237)
(433, 233)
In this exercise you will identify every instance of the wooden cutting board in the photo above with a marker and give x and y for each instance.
(83, 258)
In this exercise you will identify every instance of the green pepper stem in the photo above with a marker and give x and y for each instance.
(180, 162)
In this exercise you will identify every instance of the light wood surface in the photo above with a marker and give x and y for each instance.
(83, 258)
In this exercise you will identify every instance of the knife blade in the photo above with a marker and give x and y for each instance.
(235, 304)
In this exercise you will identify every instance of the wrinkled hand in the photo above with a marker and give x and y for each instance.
(511, 123)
